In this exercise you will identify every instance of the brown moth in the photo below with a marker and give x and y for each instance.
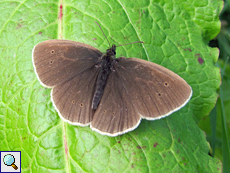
(110, 94)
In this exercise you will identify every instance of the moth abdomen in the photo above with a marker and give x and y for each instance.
(105, 69)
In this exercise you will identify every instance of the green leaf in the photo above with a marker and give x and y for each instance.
(175, 35)
(222, 119)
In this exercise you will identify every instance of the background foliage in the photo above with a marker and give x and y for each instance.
(216, 125)
(176, 35)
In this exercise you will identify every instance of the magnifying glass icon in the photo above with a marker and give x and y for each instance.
(9, 160)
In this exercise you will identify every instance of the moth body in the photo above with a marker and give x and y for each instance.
(106, 63)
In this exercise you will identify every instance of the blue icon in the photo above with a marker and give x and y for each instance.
(9, 160)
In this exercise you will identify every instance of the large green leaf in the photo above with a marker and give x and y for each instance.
(175, 33)
(205, 122)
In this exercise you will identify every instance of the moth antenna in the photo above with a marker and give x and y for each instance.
(103, 32)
